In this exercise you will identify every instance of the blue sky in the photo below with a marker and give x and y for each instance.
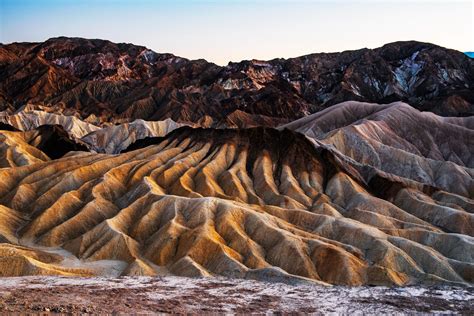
(232, 30)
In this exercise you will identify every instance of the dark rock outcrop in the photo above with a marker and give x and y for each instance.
(7, 127)
(103, 81)
(54, 141)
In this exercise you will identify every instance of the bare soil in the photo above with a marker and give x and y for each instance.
(175, 295)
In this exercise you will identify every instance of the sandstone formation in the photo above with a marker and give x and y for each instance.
(116, 138)
(29, 119)
(398, 140)
(252, 203)
(100, 81)
(104, 138)
(15, 151)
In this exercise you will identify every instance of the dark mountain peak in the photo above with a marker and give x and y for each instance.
(403, 49)
(407, 49)
(120, 82)
(58, 47)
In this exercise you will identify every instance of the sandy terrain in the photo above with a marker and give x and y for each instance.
(205, 295)
(250, 202)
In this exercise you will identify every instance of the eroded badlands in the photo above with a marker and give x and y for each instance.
(260, 203)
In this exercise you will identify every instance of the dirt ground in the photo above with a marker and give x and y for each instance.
(144, 295)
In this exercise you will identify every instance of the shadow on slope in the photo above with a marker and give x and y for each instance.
(53, 140)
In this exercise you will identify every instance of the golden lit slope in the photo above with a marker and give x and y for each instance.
(15, 151)
(255, 203)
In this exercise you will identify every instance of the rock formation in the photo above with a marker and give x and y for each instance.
(253, 203)
(100, 81)
(104, 138)
(116, 160)
(399, 140)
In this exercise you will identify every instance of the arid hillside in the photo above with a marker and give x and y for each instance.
(357, 194)
(351, 168)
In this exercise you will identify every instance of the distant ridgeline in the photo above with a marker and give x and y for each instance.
(105, 82)
(470, 54)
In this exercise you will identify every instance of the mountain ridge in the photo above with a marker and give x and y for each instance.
(316, 201)
(118, 83)
(352, 168)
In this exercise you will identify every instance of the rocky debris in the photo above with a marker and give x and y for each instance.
(145, 295)
(102, 81)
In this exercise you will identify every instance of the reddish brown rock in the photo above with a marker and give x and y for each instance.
(123, 82)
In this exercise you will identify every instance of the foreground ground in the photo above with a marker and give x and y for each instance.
(211, 295)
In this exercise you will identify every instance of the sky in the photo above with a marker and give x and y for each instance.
(233, 30)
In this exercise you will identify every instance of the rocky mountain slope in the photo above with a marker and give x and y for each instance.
(257, 203)
(100, 81)
(398, 140)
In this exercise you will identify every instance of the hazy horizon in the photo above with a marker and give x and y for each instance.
(234, 30)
